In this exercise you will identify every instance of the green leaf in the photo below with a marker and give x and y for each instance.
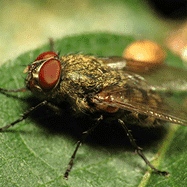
(36, 151)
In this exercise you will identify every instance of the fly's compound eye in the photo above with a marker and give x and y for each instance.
(49, 74)
(43, 56)
(46, 55)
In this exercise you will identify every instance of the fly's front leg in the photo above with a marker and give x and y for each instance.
(14, 90)
(139, 149)
(84, 135)
(25, 115)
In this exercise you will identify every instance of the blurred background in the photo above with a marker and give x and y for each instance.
(26, 24)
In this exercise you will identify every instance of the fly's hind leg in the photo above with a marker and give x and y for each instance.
(139, 149)
(84, 136)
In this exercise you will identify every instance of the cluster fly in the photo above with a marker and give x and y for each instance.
(93, 88)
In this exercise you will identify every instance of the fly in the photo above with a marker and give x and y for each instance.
(92, 87)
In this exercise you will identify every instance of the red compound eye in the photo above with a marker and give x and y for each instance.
(46, 55)
(49, 74)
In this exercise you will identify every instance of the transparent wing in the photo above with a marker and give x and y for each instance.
(138, 95)
(165, 78)
(141, 99)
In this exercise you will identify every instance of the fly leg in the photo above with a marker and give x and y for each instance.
(26, 114)
(139, 149)
(52, 44)
(14, 90)
(83, 137)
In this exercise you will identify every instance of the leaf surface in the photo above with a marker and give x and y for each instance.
(35, 153)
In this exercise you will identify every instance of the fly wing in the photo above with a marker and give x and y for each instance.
(138, 99)
(137, 95)
(174, 79)
(115, 62)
